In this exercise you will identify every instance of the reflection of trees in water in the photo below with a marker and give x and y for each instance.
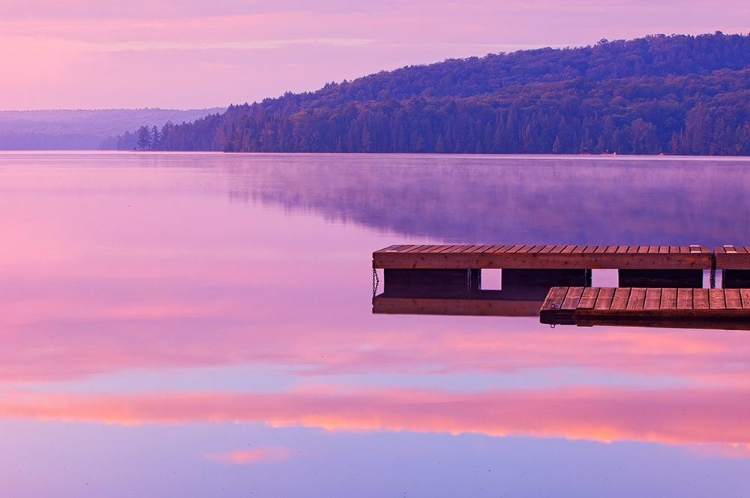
(524, 200)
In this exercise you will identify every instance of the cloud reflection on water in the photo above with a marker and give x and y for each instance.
(123, 267)
(682, 416)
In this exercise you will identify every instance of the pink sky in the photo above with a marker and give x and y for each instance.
(186, 54)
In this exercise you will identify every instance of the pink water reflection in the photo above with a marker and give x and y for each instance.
(117, 275)
(719, 417)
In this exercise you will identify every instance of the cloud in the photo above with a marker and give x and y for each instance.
(228, 45)
(263, 454)
(381, 35)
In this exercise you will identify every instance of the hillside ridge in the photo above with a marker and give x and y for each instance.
(676, 94)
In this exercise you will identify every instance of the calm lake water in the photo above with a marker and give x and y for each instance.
(192, 325)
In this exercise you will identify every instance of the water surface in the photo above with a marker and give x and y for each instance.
(201, 325)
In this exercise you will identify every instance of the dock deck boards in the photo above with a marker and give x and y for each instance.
(544, 256)
(573, 305)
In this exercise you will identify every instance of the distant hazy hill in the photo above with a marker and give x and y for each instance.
(81, 129)
(674, 94)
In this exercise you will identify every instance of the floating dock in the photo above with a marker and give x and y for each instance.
(638, 266)
(657, 285)
(694, 308)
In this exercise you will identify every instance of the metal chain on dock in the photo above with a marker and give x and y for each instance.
(375, 282)
(712, 279)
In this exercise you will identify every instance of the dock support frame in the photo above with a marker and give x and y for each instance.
(735, 279)
(514, 278)
(660, 278)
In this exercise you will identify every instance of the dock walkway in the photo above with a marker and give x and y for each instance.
(454, 257)
(628, 305)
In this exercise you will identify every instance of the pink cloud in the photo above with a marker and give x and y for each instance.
(263, 454)
(170, 43)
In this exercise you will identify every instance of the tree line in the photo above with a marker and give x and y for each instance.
(660, 94)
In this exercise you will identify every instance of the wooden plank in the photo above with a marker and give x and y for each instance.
(611, 249)
(546, 249)
(745, 295)
(716, 299)
(588, 298)
(408, 247)
(620, 299)
(500, 249)
(418, 248)
(700, 299)
(653, 299)
(674, 249)
(663, 249)
(741, 322)
(572, 298)
(568, 249)
(669, 298)
(579, 249)
(636, 299)
(733, 299)
(604, 299)
(460, 307)
(653, 249)
(684, 299)
(461, 248)
(393, 248)
(481, 248)
(554, 299)
(435, 249)
(446, 249)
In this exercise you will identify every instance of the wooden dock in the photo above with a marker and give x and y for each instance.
(548, 265)
(412, 257)
(658, 285)
(713, 308)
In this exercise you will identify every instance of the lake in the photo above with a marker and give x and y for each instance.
(191, 325)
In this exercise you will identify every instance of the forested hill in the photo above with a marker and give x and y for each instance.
(674, 94)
